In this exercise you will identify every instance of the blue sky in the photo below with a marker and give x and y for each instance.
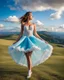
(14, 8)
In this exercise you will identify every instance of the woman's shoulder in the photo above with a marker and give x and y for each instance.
(34, 24)
(23, 24)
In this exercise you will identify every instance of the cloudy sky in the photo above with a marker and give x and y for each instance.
(47, 13)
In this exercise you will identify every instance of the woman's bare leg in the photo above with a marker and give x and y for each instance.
(28, 56)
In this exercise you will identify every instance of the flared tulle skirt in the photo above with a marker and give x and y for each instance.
(41, 51)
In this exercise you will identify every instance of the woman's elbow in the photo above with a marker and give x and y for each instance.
(35, 34)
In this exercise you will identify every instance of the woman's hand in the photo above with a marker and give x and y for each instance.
(45, 41)
(14, 42)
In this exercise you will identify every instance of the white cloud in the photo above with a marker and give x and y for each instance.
(1, 25)
(39, 23)
(57, 14)
(12, 19)
(40, 5)
(56, 29)
(61, 26)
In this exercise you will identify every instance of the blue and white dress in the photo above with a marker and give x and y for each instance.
(41, 51)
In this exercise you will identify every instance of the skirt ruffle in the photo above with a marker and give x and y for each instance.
(41, 51)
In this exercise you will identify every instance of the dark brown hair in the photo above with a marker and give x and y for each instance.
(24, 18)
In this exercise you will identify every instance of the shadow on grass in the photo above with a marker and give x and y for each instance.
(61, 46)
(9, 37)
(55, 75)
(12, 75)
(7, 74)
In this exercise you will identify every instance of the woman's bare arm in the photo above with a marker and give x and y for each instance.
(21, 33)
(36, 34)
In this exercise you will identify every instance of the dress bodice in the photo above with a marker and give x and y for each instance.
(28, 30)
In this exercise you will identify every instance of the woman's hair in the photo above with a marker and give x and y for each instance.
(24, 18)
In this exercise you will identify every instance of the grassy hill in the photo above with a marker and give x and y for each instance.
(52, 69)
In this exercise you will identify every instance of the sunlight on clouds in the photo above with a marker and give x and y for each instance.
(57, 15)
(39, 27)
(40, 5)
(39, 23)
(1, 25)
(62, 26)
(12, 19)
(59, 28)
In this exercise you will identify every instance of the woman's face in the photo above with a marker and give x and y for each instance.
(30, 16)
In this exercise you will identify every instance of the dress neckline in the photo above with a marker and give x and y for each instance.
(28, 25)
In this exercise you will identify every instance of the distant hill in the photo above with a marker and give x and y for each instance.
(55, 37)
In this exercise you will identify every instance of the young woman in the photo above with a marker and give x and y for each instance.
(29, 49)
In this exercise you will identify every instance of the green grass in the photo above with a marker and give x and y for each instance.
(51, 69)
